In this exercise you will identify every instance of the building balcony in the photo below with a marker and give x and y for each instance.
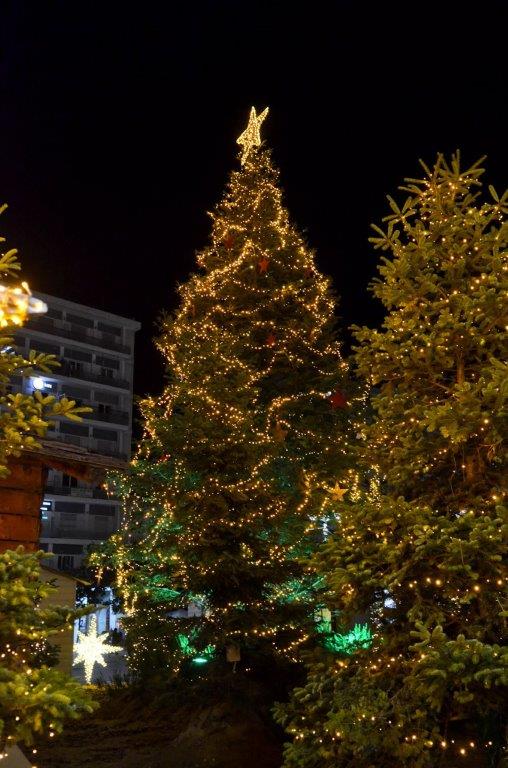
(85, 372)
(101, 447)
(55, 531)
(113, 416)
(57, 489)
(70, 331)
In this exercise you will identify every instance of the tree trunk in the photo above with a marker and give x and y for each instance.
(470, 471)
(460, 370)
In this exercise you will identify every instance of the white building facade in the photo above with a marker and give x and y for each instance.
(96, 353)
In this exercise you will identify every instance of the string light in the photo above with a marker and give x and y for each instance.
(424, 559)
(244, 447)
(251, 137)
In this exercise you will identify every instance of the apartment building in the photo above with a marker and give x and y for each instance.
(96, 353)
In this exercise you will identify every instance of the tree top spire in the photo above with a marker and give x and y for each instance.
(251, 137)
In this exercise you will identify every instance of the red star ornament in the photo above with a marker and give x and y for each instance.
(338, 400)
(229, 241)
(270, 339)
(263, 265)
(309, 272)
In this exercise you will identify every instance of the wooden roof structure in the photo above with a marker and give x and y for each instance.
(22, 491)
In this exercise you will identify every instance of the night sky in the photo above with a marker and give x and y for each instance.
(118, 124)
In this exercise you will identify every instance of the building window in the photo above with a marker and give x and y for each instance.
(74, 392)
(105, 434)
(67, 428)
(69, 482)
(74, 367)
(78, 320)
(114, 330)
(106, 397)
(56, 314)
(65, 562)
(102, 526)
(73, 507)
(102, 509)
(42, 346)
(77, 354)
(107, 362)
(68, 521)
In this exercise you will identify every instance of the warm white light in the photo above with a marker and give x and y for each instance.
(91, 649)
(251, 137)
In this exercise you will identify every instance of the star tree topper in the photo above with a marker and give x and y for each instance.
(251, 137)
(91, 650)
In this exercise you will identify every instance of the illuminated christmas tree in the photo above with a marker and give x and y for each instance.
(426, 561)
(242, 454)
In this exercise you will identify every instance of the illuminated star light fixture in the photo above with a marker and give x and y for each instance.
(17, 303)
(251, 137)
(336, 492)
(91, 649)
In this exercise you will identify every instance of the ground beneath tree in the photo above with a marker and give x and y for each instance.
(127, 733)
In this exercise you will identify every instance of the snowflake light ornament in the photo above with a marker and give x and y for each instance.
(91, 649)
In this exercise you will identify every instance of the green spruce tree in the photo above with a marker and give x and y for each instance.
(35, 699)
(233, 473)
(426, 560)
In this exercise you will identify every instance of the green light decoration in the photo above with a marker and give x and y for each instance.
(190, 651)
(165, 594)
(360, 637)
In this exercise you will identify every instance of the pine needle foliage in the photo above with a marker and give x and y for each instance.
(426, 561)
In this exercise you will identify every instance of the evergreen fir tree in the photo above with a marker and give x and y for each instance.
(240, 451)
(35, 699)
(427, 559)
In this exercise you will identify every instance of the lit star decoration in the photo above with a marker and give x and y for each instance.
(251, 137)
(91, 649)
(337, 493)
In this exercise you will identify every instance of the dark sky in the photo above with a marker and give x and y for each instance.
(118, 124)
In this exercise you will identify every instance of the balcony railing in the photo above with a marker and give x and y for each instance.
(102, 447)
(56, 489)
(56, 531)
(112, 417)
(86, 373)
(75, 333)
